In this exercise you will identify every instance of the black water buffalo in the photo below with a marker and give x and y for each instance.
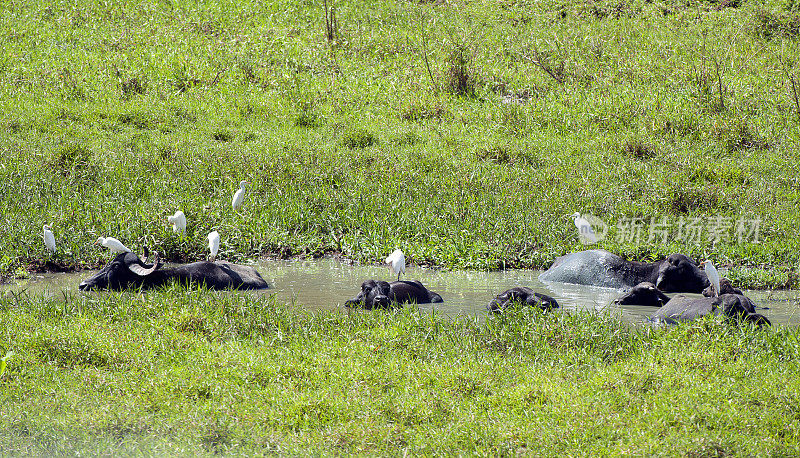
(732, 307)
(645, 293)
(725, 286)
(521, 295)
(127, 270)
(381, 294)
(678, 273)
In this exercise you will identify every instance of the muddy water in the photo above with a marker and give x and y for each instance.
(328, 283)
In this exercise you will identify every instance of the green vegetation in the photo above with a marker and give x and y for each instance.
(463, 132)
(188, 372)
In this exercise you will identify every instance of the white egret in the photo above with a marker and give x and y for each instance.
(713, 276)
(213, 244)
(239, 196)
(178, 221)
(397, 262)
(113, 244)
(49, 239)
(585, 232)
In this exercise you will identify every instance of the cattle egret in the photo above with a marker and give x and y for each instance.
(713, 276)
(239, 196)
(397, 262)
(113, 244)
(213, 244)
(49, 240)
(178, 221)
(585, 232)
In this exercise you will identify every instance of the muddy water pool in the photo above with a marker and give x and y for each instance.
(322, 284)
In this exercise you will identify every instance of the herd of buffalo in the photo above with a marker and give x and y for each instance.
(643, 283)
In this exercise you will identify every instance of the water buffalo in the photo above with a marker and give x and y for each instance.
(732, 307)
(725, 287)
(522, 295)
(127, 270)
(381, 294)
(678, 273)
(645, 293)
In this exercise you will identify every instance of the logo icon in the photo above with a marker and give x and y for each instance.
(591, 229)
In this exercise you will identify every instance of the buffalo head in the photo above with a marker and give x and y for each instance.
(645, 293)
(521, 295)
(725, 286)
(679, 273)
(374, 294)
(125, 270)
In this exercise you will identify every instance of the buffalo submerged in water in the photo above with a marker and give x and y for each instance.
(126, 270)
(675, 274)
(380, 294)
(731, 305)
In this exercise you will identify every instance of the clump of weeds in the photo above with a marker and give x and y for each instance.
(72, 158)
(460, 77)
(182, 80)
(768, 24)
(638, 149)
(736, 134)
(223, 135)
(502, 154)
(138, 119)
(130, 85)
(686, 200)
(306, 119)
(418, 112)
(359, 138)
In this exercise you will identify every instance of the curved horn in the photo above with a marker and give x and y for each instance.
(143, 271)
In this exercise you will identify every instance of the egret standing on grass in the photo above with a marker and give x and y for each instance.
(178, 221)
(713, 276)
(239, 196)
(49, 239)
(213, 244)
(585, 232)
(397, 262)
(113, 244)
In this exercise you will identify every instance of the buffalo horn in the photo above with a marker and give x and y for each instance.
(143, 271)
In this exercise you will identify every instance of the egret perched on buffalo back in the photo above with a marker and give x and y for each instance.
(113, 244)
(178, 221)
(397, 262)
(213, 244)
(49, 239)
(585, 232)
(239, 195)
(713, 276)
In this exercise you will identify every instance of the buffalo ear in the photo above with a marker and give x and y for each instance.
(144, 271)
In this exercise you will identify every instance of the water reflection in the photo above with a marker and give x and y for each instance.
(325, 284)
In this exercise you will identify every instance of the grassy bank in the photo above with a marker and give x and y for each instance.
(193, 372)
(462, 132)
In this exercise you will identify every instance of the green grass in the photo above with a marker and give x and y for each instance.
(196, 372)
(396, 133)
(462, 132)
